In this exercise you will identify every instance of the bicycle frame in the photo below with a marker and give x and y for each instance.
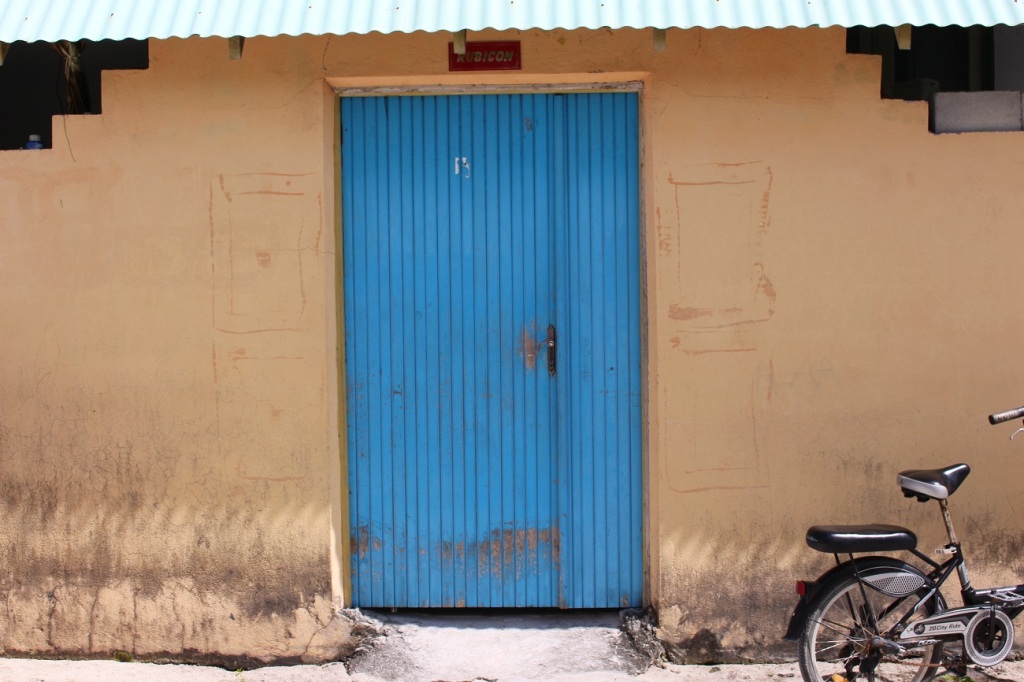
(940, 573)
(843, 619)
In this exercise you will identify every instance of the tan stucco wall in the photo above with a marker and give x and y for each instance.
(168, 432)
(830, 299)
(844, 314)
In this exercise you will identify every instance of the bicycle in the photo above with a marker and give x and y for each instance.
(879, 618)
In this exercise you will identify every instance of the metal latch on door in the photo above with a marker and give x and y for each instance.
(550, 343)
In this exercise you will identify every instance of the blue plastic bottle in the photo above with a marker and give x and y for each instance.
(34, 142)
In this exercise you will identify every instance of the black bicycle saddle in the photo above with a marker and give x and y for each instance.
(932, 484)
(872, 537)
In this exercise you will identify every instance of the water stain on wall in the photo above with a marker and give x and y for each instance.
(133, 544)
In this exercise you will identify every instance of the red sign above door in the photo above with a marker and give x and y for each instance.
(487, 56)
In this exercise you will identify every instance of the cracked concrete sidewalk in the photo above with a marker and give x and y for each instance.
(509, 647)
(25, 670)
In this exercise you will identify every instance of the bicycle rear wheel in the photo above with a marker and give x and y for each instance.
(835, 645)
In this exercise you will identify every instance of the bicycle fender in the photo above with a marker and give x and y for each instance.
(862, 565)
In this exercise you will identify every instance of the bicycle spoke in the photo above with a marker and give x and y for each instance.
(837, 627)
(852, 609)
(835, 645)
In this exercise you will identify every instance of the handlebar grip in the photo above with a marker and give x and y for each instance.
(1000, 417)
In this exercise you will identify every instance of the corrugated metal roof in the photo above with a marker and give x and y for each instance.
(52, 20)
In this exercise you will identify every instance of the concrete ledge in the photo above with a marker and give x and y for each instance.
(964, 112)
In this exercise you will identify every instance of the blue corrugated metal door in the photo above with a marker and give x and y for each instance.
(487, 468)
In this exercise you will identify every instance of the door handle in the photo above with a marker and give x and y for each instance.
(552, 350)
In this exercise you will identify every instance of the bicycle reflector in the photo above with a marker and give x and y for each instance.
(801, 587)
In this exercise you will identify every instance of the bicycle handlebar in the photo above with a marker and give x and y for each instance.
(1000, 417)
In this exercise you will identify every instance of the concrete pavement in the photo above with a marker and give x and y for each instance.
(463, 647)
(24, 670)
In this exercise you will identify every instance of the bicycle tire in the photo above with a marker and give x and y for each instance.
(837, 631)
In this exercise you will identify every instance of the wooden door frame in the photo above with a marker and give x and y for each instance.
(337, 88)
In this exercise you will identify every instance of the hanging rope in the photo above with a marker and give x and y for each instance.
(76, 98)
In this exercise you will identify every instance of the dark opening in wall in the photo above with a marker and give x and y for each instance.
(971, 76)
(940, 59)
(34, 82)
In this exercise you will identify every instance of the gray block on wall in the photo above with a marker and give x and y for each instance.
(966, 112)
